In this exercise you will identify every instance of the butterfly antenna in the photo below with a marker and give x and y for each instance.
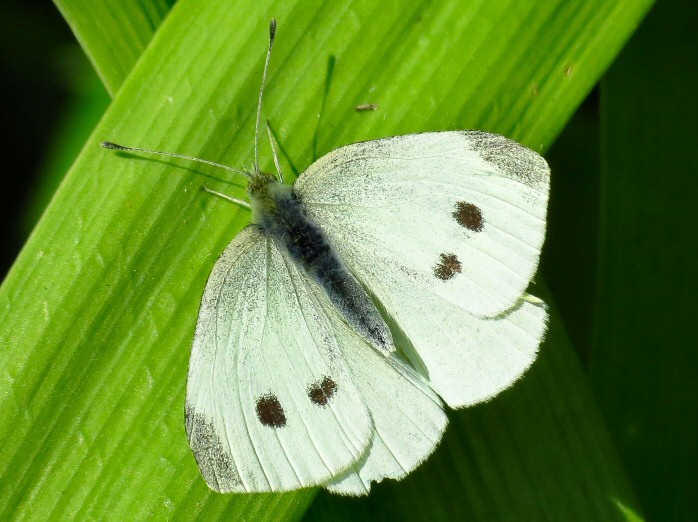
(116, 146)
(273, 152)
(272, 33)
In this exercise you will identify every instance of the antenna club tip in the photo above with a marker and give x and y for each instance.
(112, 146)
(272, 28)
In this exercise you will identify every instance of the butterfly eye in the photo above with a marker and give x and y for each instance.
(448, 267)
(469, 216)
(270, 412)
(321, 392)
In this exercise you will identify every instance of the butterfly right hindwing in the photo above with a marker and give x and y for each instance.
(445, 230)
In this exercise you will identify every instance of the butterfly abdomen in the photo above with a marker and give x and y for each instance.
(281, 216)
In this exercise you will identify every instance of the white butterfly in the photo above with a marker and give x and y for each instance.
(390, 277)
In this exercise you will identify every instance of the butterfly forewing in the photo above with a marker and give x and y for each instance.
(445, 229)
(460, 214)
(270, 404)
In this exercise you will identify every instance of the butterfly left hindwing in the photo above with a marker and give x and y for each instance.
(282, 394)
(408, 416)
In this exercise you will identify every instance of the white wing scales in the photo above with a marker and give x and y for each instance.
(445, 229)
(461, 213)
(338, 412)
(270, 405)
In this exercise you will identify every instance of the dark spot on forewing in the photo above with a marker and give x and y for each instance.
(469, 216)
(321, 392)
(270, 412)
(447, 267)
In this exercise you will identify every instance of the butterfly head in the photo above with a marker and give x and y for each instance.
(260, 184)
(265, 192)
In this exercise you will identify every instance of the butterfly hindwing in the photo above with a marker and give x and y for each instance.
(270, 403)
(466, 359)
(408, 421)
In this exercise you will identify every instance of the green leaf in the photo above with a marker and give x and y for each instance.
(98, 312)
(644, 355)
(113, 34)
(539, 451)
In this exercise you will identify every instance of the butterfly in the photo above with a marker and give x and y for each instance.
(387, 281)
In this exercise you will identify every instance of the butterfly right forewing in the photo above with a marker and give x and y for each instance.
(445, 230)
(461, 213)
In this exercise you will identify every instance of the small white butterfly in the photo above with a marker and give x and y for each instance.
(388, 278)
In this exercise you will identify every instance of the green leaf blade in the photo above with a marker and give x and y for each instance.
(98, 312)
(113, 34)
(644, 358)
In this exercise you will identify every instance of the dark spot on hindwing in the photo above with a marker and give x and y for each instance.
(447, 267)
(270, 412)
(321, 392)
(469, 216)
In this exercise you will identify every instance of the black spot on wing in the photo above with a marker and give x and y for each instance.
(447, 267)
(321, 392)
(469, 216)
(215, 462)
(270, 412)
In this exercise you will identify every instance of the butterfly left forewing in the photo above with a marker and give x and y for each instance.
(270, 403)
